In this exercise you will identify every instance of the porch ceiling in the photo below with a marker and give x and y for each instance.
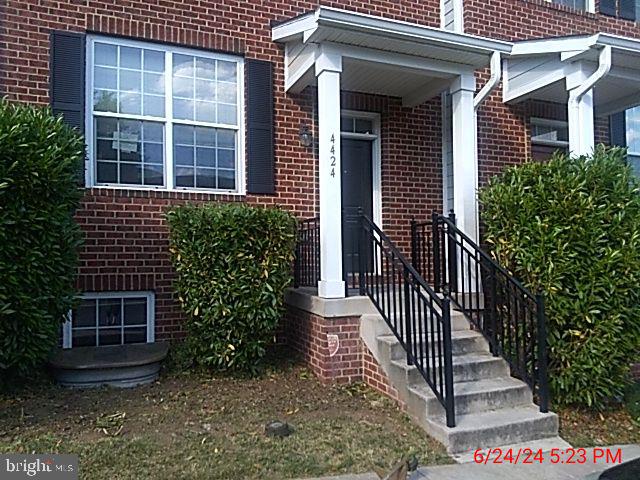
(542, 70)
(380, 56)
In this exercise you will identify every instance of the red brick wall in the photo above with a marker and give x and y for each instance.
(125, 231)
(373, 376)
(307, 334)
(126, 241)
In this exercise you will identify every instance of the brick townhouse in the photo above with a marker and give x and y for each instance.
(329, 109)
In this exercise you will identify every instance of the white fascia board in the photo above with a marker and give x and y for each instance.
(571, 46)
(383, 27)
(553, 45)
(290, 29)
(618, 42)
(380, 26)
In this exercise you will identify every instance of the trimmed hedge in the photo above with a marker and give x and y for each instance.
(41, 161)
(233, 263)
(571, 229)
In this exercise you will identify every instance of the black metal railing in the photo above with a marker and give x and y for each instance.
(418, 317)
(507, 313)
(306, 267)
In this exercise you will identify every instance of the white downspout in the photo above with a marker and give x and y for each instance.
(604, 67)
(494, 79)
(580, 107)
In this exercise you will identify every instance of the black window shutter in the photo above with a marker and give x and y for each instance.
(67, 76)
(628, 9)
(618, 129)
(608, 7)
(260, 154)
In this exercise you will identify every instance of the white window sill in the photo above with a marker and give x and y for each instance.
(140, 188)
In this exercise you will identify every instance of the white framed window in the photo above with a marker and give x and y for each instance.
(163, 117)
(110, 318)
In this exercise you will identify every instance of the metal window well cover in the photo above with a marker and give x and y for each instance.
(120, 366)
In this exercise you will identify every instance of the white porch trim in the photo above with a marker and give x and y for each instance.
(336, 49)
(593, 74)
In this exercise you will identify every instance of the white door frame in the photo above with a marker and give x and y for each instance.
(376, 153)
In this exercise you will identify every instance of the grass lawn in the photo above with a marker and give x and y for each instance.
(194, 425)
(585, 428)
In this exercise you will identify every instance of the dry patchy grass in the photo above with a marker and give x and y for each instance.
(587, 428)
(194, 425)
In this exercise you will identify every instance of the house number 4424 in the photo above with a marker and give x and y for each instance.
(332, 150)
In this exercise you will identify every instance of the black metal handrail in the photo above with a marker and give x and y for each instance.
(306, 267)
(505, 311)
(416, 315)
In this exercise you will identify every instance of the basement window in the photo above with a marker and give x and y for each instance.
(110, 318)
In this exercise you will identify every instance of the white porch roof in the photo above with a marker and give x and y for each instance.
(547, 69)
(380, 56)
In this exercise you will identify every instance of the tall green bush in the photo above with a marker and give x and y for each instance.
(40, 164)
(571, 229)
(233, 263)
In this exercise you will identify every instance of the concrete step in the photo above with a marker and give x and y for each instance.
(466, 368)
(477, 396)
(493, 428)
(458, 320)
(462, 342)
(492, 408)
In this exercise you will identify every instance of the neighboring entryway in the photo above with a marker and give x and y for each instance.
(359, 176)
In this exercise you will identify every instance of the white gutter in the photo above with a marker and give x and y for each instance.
(604, 60)
(494, 79)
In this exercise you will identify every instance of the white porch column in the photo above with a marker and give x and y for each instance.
(328, 69)
(465, 154)
(580, 113)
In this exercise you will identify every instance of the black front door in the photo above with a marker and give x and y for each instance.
(357, 195)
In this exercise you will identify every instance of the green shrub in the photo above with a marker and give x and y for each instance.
(40, 164)
(233, 263)
(571, 229)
